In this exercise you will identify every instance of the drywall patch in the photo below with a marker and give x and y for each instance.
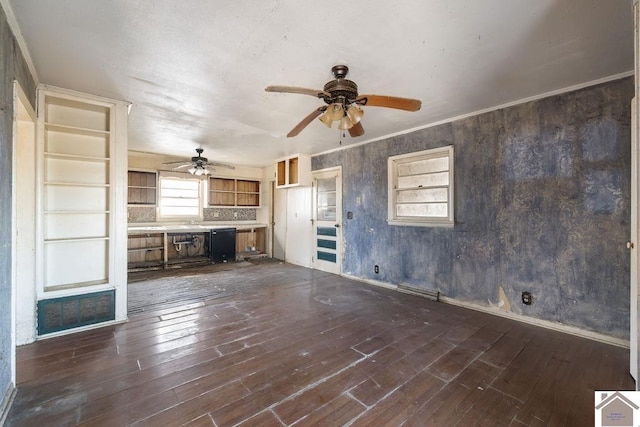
(503, 301)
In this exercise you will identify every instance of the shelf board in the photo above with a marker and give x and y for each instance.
(74, 212)
(63, 156)
(76, 239)
(76, 184)
(151, 248)
(76, 130)
(52, 288)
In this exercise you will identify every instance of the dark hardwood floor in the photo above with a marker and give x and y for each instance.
(274, 344)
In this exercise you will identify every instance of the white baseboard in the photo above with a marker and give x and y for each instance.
(556, 326)
(371, 282)
(5, 404)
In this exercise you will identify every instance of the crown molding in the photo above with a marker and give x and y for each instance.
(15, 29)
(487, 110)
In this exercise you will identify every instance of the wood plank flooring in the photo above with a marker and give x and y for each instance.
(279, 345)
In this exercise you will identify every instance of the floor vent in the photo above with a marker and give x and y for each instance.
(432, 294)
(59, 314)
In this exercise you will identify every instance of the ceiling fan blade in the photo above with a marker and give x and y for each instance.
(356, 130)
(176, 162)
(181, 166)
(305, 122)
(299, 90)
(219, 165)
(406, 104)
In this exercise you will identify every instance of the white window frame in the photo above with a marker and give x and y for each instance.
(185, 177)
(420, 221)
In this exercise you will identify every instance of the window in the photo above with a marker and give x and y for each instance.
(421, 188)
(179, 198)
(234, 192)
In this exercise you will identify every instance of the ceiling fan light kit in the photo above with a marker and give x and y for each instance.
(343, 103)
(198, 165)
(355, 113)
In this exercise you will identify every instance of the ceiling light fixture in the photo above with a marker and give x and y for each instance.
(341, 111)
(199, 170)
(198, 165)
(342, 98)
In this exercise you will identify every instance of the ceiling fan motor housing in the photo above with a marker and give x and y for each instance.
(341, 88)
(199, 160)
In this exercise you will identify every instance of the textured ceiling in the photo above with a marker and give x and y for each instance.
(195, 71)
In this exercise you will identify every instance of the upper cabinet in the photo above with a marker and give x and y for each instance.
(231, 192)
(142, 188)
(293, 171)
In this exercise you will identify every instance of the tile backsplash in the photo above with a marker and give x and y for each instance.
(229, 214)
(148, 214)
(141, 214)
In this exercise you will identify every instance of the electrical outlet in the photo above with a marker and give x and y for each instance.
(527, 298)
(376, 269)
(235, 214)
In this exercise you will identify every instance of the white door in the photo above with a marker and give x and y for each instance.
(298, 245)
(632, 244)
(327, 220)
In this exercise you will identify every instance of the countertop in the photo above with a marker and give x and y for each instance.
(203, 227)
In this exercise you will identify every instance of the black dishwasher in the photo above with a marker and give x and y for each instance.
(222, 245)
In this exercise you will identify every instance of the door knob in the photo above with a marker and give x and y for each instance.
(630, 245)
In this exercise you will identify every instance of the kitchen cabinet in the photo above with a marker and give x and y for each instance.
(145, 251)
(230, 192)
(142, 188)
(293, 171)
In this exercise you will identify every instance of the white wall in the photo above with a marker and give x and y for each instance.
(25, 243)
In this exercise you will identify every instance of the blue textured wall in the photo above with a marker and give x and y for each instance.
(13, 68)
(542, 193)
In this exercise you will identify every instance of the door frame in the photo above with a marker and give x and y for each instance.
(632, 245)
(337, 170)
(273, 208)
(634, 356)
(22, 112)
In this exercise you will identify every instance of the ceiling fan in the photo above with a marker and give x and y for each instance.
(198, 165)
(343, 103)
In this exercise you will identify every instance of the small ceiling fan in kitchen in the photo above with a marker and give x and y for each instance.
(198, 165)
(343, 103)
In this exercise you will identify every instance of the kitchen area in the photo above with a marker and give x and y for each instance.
(177, 219)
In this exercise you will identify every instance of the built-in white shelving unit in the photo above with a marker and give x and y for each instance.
(82, 205)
